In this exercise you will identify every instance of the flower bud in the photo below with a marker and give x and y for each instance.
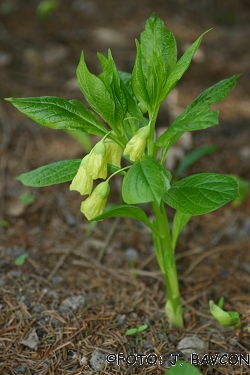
(95, 204)
(82, 182)
(114, 153)
(136, 146)
(97, 164)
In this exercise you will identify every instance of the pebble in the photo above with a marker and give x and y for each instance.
(20, 369)
(110, 37)
(121, 320)
(74, 302)
(5, 58)
(97, 360)
(131, 254)
(31, 340)
(192, 344)
(57, 279)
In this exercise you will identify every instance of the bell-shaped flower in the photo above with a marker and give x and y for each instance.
(95, 204)
(97, 164)
(82, 182)
(114, 153)
(136, 146)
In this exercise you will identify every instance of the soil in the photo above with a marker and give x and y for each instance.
(77, 293)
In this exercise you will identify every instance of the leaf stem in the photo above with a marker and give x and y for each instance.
(167, 264)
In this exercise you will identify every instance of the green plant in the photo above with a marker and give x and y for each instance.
(20, 260)
(45, 8)
(225, 318)
(122, 100)
(183, 368)
(137, 331)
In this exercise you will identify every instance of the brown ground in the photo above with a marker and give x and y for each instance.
(66, 257)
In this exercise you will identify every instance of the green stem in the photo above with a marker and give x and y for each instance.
(151, 138)
(168, 266)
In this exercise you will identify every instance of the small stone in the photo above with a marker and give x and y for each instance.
(15, 252)
(57, 279)
(245, 152)
(5, 58)
(97, 360)
(110, 37)
(31, 340)
(147, 346)
(192, 344)
(121, 320)
(20, 369)
(131, 255)
(74, 302)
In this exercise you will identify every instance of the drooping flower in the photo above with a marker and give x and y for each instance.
(114, 153)
(95, 204)
(97, 164)
(136, 146)
(82, 182)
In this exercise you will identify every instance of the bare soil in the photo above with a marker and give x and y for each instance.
(67, 258)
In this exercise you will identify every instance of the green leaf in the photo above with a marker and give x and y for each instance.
(57, 113)
(26, 198)
(146, 181)
(181, 66)
(156, 37)
(56, 173)
(197, 115)
(96, 93)
(138, 80)
(51, 174)
(225, 318)
(142, 328)
(179, 223)
(201, 193)
(128, 211)
(156, 55)
(20, 260)
(192, 157)
(183, 368)
(83, 138)
(4, 223)
(244, 187)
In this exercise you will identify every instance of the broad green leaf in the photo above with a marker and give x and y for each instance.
(146, 181)
(83, 138)
(183, 368)
(156, 55)
(20, 260)
(26, 198)
(244, 187)
(58, 113)
(201, 193)
(156, 79)
(125, 104)
(96, 93)
(126, 78)
(197, 115)
(181, 66)
(51, 174)
(225, 318)
(179, 223)
(192, 157)
(55, 173)
(157, 37)
(138, 80)
(132, 212)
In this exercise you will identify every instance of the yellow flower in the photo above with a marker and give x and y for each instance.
(136, 146)
(114, 153)
(82, 181)
(97, 164)
(95, 204)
